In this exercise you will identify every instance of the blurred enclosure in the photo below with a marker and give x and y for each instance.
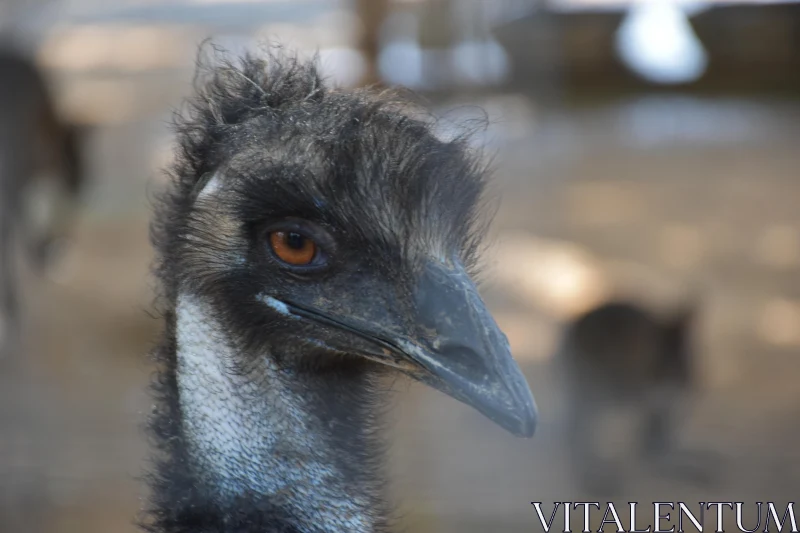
(643, 149)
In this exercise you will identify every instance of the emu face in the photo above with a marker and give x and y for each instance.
(340, 228)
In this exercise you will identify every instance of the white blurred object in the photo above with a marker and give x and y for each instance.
(657, 42)
(400, 59)
(481, 62)
(558, 277)
(345, 66)
(400, 63)
(562, 279)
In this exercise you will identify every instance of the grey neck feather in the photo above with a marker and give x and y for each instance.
(256, 433)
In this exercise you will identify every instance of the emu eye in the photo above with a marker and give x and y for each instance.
(292, 247)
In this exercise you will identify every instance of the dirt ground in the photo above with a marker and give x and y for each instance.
(662, 198)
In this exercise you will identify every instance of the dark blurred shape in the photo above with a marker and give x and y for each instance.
(571, 49)
(373, 14)
(437, 34)
(579, 50)
(623, 365)
(41, 175)
(762, 40)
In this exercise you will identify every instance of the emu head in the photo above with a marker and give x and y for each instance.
(329, 228)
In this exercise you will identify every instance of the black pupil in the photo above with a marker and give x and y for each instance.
(295, 241)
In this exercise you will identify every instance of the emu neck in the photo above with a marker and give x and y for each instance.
(290, 442)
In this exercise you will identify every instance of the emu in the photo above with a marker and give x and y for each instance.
(313, 242)
(628, 374)
(40, 159)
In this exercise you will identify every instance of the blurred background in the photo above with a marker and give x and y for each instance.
(644, 150)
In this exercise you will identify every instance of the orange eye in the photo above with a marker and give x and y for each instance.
(292, 248)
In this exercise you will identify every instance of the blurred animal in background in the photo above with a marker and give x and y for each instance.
(628, 374)
(41, 176)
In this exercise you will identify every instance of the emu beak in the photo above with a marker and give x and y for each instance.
(464, 353)
(457, 348)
